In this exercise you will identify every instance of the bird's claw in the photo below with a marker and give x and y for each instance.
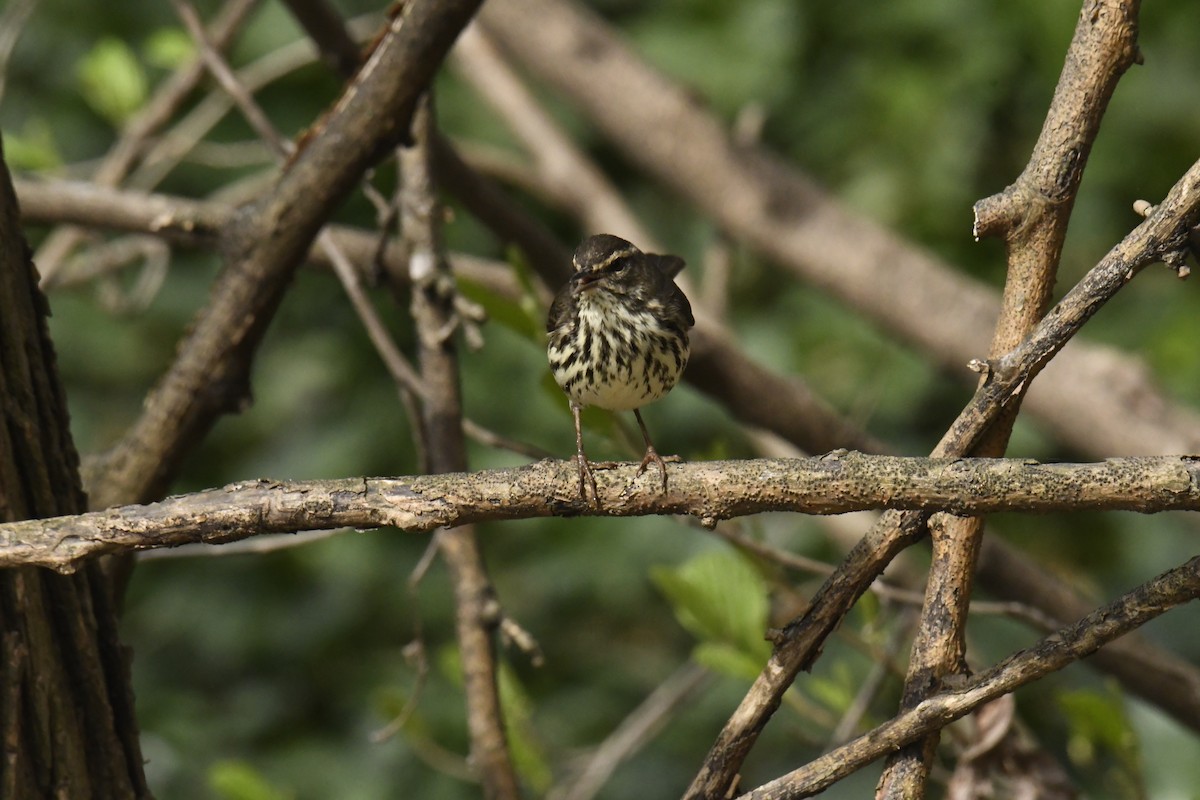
(652, 457)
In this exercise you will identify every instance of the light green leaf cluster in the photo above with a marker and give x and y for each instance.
(721, 599)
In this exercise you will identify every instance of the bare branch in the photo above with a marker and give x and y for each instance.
(1094, 398)
(710, 491)
(1147, 670)
(1037, 209)
(267, 241)
(198, 223)
(1164, 233)
(477, 611)
(1064, 647)
(217, 66)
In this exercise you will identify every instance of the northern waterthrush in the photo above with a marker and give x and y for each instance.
(618, 336)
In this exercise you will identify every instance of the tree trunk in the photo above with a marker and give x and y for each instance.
(66, 709)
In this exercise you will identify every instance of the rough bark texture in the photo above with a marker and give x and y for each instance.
(476, 614)
(66, 711)
(1169, 590)
(709, 491)
(1038, 208)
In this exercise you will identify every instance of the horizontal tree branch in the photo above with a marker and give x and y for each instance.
(714, 490)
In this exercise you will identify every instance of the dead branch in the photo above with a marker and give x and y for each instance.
(1093, 398)
(1036, 210)
(1162, 235)
(477, 613)
(710, 491)
(1064, 647)
(265, 243)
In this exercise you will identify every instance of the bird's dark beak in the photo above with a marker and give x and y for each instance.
(584, 280)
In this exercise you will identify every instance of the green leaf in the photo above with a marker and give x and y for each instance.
(237, 780)
(112, 80)
(727, 660)
(721, 599)
(505, 311)
(168, 48)
(528, 755)
(1100, 720)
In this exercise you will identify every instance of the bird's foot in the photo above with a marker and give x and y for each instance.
(652, 457)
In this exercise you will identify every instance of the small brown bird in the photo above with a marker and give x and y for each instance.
(618, 336)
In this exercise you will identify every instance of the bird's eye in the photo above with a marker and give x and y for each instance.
(619, 265)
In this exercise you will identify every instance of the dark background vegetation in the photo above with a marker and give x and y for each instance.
(263, 675)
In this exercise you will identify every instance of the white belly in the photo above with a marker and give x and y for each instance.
(625, 359)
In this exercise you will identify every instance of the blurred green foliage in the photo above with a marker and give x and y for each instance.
(112, 81)
(721, 599)
(264, 675)
(237, 780)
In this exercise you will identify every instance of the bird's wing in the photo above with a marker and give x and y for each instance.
(560, 309)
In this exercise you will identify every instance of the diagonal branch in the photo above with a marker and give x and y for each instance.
(1060, 649)
(265, 243)
(1094, 398)
(1035, 212)
(576, 182)
(1163, 235)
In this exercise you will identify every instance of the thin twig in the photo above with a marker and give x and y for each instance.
(634, 732)
(267, 240)
(122, 156)
(220, 70)
(407, 381)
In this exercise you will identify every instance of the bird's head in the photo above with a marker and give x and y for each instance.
(606, 261)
